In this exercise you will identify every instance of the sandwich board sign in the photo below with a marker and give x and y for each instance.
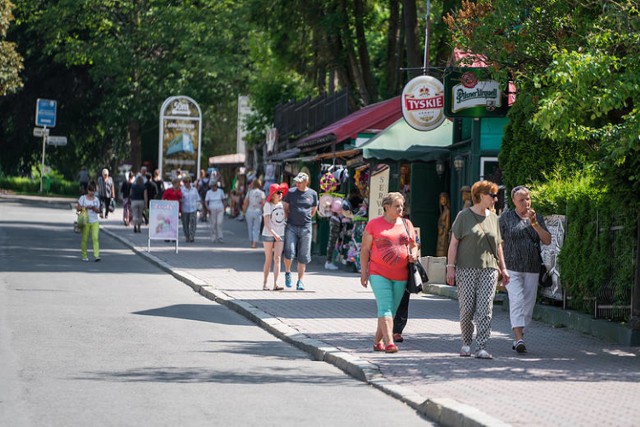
(163, 221)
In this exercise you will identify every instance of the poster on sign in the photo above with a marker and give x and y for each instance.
(163, 221)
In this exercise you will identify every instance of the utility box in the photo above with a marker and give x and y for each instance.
(436, 269)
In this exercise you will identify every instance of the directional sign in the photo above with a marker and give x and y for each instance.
(39, 132)
(57, 140)
(46, 112)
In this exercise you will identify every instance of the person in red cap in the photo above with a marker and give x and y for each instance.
(273, 233)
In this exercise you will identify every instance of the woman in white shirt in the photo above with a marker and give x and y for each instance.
(252, 208)
(190, 199)
(91, 204)
(273, 233)
(215, 204)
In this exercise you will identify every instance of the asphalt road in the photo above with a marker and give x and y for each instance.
(121, 343)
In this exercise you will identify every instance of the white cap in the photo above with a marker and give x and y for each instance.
(301, 177)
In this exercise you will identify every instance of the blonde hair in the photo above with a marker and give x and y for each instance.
(390, 198)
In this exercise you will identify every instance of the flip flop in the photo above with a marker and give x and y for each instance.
(265, 288)
(277, 288)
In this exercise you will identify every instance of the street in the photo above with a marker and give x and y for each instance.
(122, 342)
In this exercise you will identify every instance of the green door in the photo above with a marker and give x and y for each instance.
(426, 187)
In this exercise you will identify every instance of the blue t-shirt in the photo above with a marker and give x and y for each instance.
(300, 206)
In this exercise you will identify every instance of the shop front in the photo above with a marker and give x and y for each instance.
(410, 161)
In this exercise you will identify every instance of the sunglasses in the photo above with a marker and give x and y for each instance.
(279, 192)
(493, 195)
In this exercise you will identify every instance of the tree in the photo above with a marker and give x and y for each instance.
(10, 60)
(576, 62)
(140, 52)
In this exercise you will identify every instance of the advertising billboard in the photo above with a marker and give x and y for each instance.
(180, 137)
(470, 92)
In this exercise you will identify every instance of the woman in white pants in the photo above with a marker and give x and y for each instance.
(215, 205)
(522, 230)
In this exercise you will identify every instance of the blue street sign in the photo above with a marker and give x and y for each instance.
(46, 113)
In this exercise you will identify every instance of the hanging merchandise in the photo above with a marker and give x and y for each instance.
(361, 178)
(328, 183)
(324, 205)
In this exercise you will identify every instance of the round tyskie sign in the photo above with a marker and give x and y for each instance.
(423, 103)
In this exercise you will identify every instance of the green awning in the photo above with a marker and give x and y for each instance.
(402, 142)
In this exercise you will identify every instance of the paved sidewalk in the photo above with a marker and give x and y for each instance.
(565, 379)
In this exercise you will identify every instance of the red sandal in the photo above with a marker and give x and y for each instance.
(391, 348)
(378, 347)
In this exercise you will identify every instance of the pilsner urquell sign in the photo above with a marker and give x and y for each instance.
(469, 92)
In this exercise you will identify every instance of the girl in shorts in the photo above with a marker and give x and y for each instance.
(273, 233)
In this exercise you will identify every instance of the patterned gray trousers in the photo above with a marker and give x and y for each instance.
(476, 290)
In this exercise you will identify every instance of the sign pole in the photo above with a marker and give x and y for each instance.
(426, 39)
(44, 144)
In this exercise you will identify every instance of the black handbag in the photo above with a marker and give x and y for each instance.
(545, 279)
(417, 278)
(417, 274)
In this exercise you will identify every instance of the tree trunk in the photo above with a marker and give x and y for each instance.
(356, 80)
(363, 51)
(393, 48)
(135, 136)
(410, 20)
(443, 48)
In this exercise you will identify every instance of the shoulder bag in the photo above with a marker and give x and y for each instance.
(83, 216)
(417, 274)
(545, 279)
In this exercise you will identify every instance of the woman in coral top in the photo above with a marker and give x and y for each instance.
(388, 246)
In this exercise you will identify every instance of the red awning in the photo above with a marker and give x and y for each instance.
(372, 118)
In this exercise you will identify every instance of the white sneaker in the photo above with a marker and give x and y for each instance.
(330, 266)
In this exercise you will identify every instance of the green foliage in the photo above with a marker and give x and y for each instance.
(526, 155)
(597, 259)
(577, 73)
(10, 59)
(22, 185)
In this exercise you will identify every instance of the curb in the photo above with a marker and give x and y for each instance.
(39, 200)
(446, 412)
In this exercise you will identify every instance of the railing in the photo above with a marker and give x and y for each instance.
(297, 119)
(611, 301)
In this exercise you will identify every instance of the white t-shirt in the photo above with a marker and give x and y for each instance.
(215, 199)
(87, 204)
(255, 199)
(276, 218)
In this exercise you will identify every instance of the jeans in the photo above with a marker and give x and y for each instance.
(297, 243)
(189, 224)
(253, 225)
